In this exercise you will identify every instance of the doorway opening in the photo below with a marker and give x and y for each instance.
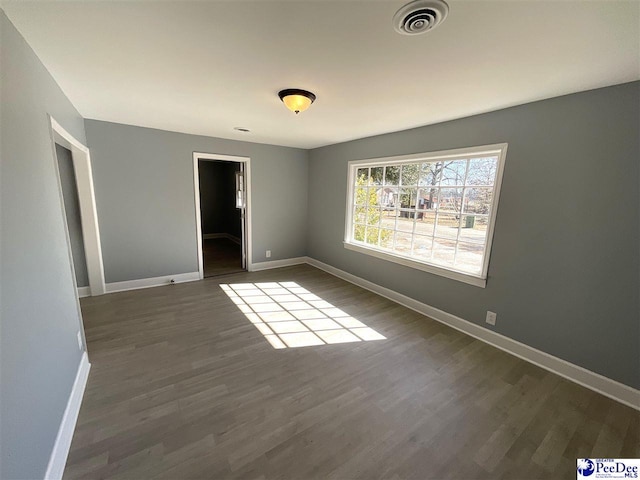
(71, 201)
(75, 183)
(222, 190)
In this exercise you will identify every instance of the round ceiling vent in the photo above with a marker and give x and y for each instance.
(420, 16)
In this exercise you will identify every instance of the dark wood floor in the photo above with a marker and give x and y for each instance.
(183, 385)
(221, 256)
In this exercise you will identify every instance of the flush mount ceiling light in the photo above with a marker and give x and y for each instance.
(420, 16)
(296, 100)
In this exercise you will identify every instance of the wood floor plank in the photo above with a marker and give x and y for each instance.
(184, 385)
(221, 256)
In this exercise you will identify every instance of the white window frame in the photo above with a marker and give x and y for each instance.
(499, 150)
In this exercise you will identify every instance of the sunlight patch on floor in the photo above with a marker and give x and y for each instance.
(291, 316)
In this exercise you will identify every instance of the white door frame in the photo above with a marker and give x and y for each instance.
(247, 186)
(87, 201)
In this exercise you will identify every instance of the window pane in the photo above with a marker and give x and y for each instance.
(469, 257)
(443, 251)
(389, 196)
(362, 176)
(474, 229)
(428, 198)
(422, 247)
(450, 200)
(386, 238)
(426, 222)
(373, 216)
(402, 244)
(430, 173)
(375, 196)
(359, 214)
(482, 171)
(447, 225)
(360, 195)
(392, 175)
(453, 172)
(358, 232)
(408, 197)
(372, 235)
(371, 197)
(388, 219)
(410, 174)
(404, 221)
(478, 200)
(377, 174)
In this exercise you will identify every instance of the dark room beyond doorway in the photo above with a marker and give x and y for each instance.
(222, 233)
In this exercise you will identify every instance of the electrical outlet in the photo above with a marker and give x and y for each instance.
(268, 253)
(491, 317)
(79, 335)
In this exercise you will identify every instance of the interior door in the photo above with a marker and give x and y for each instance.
(241, 203)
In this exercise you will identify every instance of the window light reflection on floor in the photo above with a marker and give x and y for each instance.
(291, 316)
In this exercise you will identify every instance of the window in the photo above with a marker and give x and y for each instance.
(431, 211)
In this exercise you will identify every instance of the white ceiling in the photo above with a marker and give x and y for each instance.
(206, 67)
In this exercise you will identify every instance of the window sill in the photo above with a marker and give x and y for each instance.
(443, 272)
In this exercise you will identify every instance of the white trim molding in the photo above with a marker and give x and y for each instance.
(425, 267)
(287, 262)
(152, 282)
(81, 158)
(594, 381)
(61, 447)
(246, 161)
(84, 292)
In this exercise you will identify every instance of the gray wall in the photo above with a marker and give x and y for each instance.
(72, 212)
(144, 188)
(563, 275)
(39, 354)
(217, 198)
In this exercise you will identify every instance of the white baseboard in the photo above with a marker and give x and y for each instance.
(211, 236)
(591, 380)
(151, 282)
(84, 292)
(58, 458)
(287, 262)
